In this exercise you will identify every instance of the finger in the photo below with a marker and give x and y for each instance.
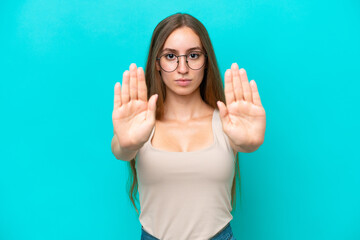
(223, 112)
(229, 91)
(133, 82)
(255, 93)
(245, 85)
(142, 90)
(125, 98)
(151, 113)
(117, 95)
(238, 90)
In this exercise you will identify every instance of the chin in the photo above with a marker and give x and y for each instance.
(184, 92)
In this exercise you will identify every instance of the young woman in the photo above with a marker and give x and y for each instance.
(179, 136)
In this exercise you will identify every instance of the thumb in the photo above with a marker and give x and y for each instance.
(223, 112)
(152, 107)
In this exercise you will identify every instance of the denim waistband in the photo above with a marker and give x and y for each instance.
(223, 234)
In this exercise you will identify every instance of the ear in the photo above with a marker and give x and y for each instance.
(157, 65)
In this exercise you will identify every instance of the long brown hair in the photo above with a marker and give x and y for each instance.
(211, 87)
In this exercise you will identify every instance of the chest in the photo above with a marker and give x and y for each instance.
(175, 137)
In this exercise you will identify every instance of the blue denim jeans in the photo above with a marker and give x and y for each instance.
(225, 234)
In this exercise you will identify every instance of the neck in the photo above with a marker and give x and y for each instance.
(184, 108)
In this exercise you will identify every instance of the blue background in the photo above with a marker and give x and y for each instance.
(59, 61)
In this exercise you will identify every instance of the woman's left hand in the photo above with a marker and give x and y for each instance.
(243, 117)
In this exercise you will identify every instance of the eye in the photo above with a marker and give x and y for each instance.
(170, 56)
(194, 55)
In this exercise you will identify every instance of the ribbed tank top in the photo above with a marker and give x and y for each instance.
(186, 195)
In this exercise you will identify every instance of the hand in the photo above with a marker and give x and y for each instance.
(133, 116)
(243, 118)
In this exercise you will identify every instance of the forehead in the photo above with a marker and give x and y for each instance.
(182, 39)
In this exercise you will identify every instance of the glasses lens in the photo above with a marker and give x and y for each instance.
(196, 60)
(169, 62)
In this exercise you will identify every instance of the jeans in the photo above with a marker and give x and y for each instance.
(225, 234)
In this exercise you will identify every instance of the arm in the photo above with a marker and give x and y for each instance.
(122, 153)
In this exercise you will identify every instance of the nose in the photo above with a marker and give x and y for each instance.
(182, 68)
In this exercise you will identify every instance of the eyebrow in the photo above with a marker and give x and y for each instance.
(174, 50)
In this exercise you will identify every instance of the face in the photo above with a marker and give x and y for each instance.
(181, 41)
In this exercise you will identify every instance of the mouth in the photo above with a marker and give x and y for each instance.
(183, 81)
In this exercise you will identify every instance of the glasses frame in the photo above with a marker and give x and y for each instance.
(187, 63)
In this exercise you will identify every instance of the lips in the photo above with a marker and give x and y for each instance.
(183, 79)
(183, 82)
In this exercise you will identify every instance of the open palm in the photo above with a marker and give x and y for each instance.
(133, 116)
(243, 117)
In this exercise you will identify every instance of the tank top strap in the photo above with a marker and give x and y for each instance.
(223, 139)
(151, 135)
(146, 145)
(217, 126)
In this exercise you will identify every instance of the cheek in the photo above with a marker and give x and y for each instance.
(166, 77)
(201, 76)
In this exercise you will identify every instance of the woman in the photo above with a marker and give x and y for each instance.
(182, 142)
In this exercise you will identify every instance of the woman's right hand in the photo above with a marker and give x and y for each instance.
(133, 116)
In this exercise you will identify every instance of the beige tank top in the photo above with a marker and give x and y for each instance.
(186, 195)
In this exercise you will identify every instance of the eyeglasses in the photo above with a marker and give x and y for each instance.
(194, 60)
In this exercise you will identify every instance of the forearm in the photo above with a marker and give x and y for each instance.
(121, 153)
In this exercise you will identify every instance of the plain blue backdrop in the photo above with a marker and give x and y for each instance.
(60, 60)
